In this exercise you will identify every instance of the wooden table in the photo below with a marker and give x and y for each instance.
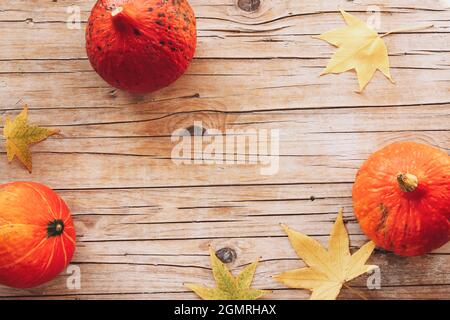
(144, 223)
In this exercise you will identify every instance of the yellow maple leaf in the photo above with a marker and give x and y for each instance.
(360, 48)
(327, 271)
(229, 287)
(20, 135)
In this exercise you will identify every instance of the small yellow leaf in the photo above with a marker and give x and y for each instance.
(208, 293)
(229, 287)
(306, 278)
(224, 279)
(328, 270)
(245, 278)
(360, 48)
(326, 291)
(338, 246)
(311, 251)
(357, 266)
(20, 135)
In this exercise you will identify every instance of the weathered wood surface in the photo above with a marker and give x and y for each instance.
(144, 224)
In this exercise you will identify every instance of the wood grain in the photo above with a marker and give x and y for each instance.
(144, 223)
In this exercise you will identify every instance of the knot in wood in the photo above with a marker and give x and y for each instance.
(249, 5)
(226, 255)
(196, 130)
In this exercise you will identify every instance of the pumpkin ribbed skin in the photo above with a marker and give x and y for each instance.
(141, 45)
(37, 235)
(401, 198)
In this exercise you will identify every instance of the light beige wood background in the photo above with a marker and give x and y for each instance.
(144, 224)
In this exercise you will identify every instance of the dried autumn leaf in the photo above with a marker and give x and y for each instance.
(229, 287)
(328, 270)
(360, 48)
(20, 135)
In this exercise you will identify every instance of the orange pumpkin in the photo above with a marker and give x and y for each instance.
(141, 45)
(401, 198)
(37, 236)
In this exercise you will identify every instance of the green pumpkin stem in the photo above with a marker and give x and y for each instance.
(407, 182)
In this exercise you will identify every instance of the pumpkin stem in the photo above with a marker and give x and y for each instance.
(122, 19)
(407, 182)
(55, 228)
(116, 11)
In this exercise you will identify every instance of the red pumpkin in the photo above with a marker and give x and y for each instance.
(401, 198)
(141, 45)
(37, 236)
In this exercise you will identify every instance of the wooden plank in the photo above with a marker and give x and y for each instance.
(215, 13)
(220, 91)
(320, 159)
(308, 55)
(141, 278)
(149, 122)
